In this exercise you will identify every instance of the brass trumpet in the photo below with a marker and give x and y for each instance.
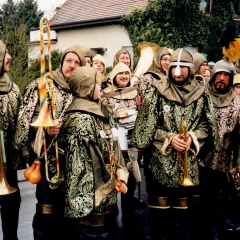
(183, 157)
(5, 188)
(45, 84)
(46, 117)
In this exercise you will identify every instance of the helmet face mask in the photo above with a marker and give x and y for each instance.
(181, 58)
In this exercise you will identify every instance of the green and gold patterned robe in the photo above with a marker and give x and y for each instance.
(10, 102)
(88, 143)
(81, 141)
(160, 117)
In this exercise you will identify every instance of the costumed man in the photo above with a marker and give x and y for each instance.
(124, 111)
(94, 166)
(10, 99)
(221, 207)
(121, 56)
(47, 221)
(173, 123)
(200, 67)
(160, 65)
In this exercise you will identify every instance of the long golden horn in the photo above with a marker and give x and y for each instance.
(184, 157)
(146, 51)
(46, 117)
(5, 188)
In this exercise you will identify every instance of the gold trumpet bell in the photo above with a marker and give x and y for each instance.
(187, 182)
(5, 188)
(44, 118)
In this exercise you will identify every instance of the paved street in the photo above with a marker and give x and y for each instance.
(27, 210)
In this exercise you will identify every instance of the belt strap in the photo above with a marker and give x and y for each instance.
(44, 208)
(96, 219)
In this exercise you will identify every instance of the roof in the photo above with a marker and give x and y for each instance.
(75, 13)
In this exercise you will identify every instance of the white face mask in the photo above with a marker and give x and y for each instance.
(178, 63)
(177, 69)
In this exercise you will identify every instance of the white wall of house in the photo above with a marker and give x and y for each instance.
(111, 38)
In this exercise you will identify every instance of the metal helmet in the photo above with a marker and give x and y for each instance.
(182, 57)
(223, 66)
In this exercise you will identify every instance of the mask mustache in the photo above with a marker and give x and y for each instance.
(221, 82)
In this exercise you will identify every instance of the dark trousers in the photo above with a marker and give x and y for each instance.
(92, 233)
(10, 206)
(168, 224)
(106, 232)
(222, 208)
(10, 215)
(174, 222)
(128, 199)
(51, 226)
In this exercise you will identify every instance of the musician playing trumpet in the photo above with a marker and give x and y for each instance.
(172, 126)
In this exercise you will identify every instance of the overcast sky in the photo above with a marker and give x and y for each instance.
(48, 4)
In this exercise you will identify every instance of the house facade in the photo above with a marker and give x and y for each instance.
(90, 23)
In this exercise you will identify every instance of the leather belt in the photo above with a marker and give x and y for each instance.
(44, 208)
(96, 219)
